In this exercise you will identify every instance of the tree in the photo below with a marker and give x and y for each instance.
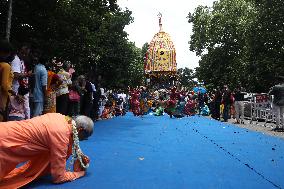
(89, 33)
(186, 77)
(239, 42)
(266, 44)
(136, 69)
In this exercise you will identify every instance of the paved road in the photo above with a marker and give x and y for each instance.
(259, 126)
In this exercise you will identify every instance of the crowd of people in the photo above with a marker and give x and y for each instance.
(32, 86)
(221, 104)
(37, 94)
(180, 102)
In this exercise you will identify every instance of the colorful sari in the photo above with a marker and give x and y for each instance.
(135, 104)
(171, 107)
(190, 107)
(107, 113)
(52, 84)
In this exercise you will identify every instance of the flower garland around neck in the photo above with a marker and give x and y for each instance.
(76, 150)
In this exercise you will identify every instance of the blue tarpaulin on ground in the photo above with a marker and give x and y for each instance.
(163, 153)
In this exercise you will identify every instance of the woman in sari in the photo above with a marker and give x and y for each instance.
(53, 82)
(135, 104)
(190, 106)
(172, 102)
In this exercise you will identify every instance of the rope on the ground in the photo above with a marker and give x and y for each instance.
(239, 160)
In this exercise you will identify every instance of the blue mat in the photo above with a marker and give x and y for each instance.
(162, 153)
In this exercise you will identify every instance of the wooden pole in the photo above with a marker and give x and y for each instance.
(9, 20)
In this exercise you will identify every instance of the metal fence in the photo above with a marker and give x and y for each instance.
(261, 108)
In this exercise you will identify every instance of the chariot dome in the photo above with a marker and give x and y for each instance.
(160, 59)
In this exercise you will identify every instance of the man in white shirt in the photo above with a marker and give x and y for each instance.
(19, 69)
(20, 73)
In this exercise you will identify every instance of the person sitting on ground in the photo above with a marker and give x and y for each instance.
(205, 111)
(43, 144)
(160, 105)
(19, 105)
(108, 110)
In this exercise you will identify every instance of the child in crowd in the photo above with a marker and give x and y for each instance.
(19, 105)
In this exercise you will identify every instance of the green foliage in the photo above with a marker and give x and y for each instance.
(89, 33)
(240, 43)
(136, 71)
(186, 77)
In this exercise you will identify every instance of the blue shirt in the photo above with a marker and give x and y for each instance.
(40, 81)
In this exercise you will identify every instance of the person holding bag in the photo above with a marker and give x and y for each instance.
(75, 92)
(62, 93)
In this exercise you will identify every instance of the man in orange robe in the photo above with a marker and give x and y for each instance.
(43, 143)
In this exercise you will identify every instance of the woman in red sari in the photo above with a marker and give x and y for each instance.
(135, 104)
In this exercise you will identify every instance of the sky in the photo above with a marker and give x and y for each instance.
(174, 21)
